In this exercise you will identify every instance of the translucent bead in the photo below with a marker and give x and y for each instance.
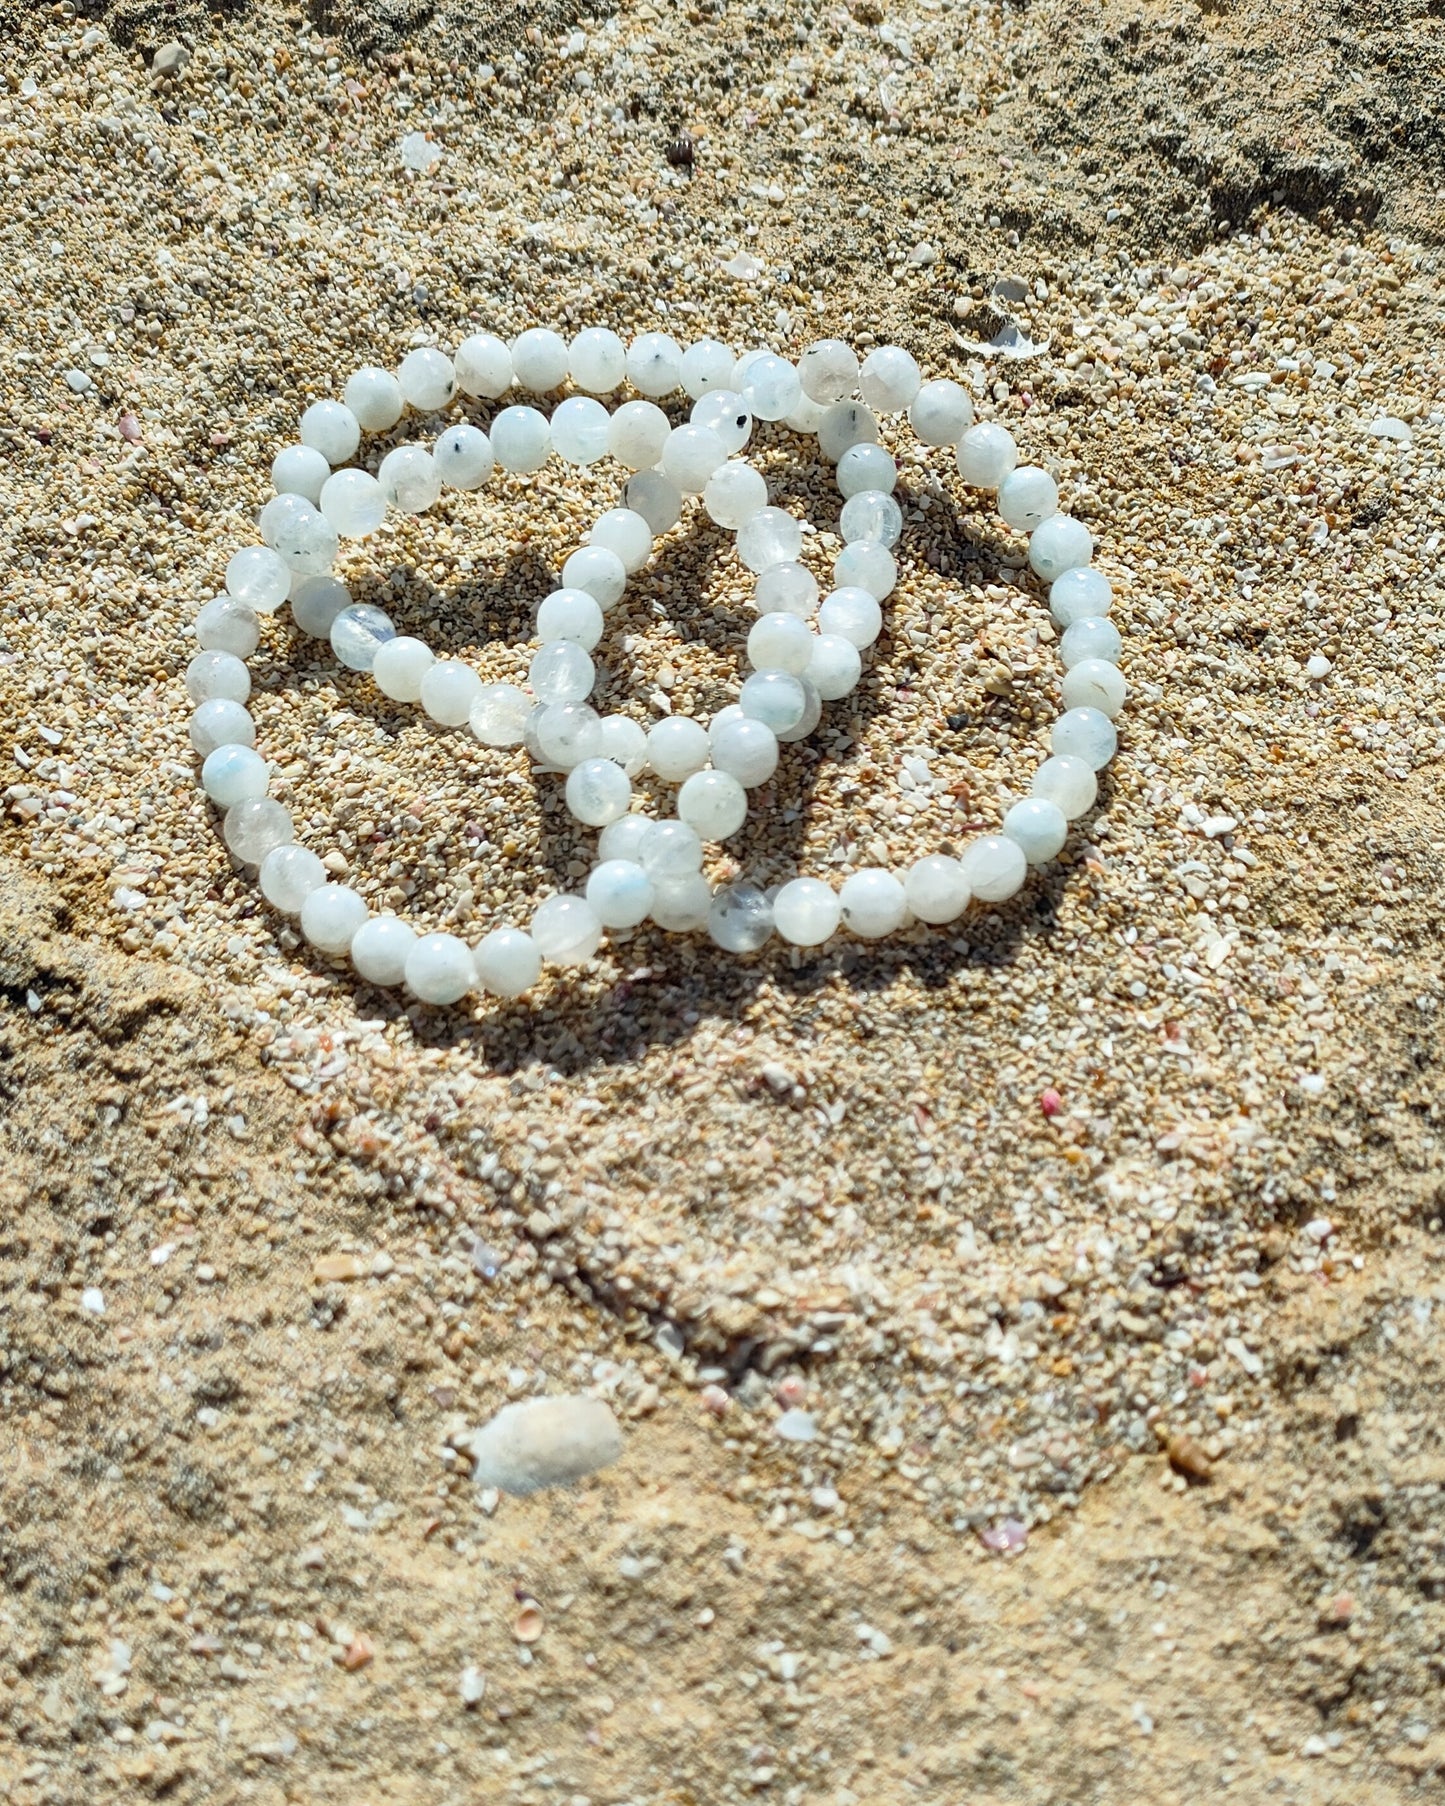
(508, 962)
(1060, 544)
(448, 690)
(234, 774)
(1038, 827)
(252, 828)
(806, 416)
(439, 969)
(580, 429)
(288, 875)
(811, 716)
(654, 363)
(354, 502)
(771, 536)
(620, 892)
(670, 849)
(873, 903)
(567, 733)
(846, 423)
(740, 919)
(942, 412)
(806, 912)
(789, 589)
(566, 930)
(400, 665)
(747, 750)
(744, 364)
(828, 370)
(299, 470)
(780, 642)
(375, 399)
(994, 866)
(428, 379)
(1087, 734)
(217, 674)
(330, 917)
(682, 905)
(221, 722)
(714, 803)
(725, 413)
(864, 467)
(853, 614)
(410, 478)
(316, 602)
(570, 614)
(225, 625)
(623, 838)
(1067, 781)
(539, 360)
(624, 741)
(625, 532)
(890, 379)
(521, 439)
(280, 512)
(329, 427)
(866, 565)
(776, 698)
(258, 577)
(690, 456)
(729, 712)
(871, 515)
(1094, 683)
(771, 388)
(986, 454)
(705, 367)
(464, 457)
(655, 497)
(498, 714)
(1026, 497)
(936, 889)
(601, 573)
(1080, 594)
(484, 366)
(598, 792)
(597, 360)
(677, 746)
(307, 541)
(734, 494)
(561, 671)
(835, 667)
(380, 948)
(357, 632)
(636, 436)
(1091, 636)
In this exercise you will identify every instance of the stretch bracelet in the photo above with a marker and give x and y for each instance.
(648, 869)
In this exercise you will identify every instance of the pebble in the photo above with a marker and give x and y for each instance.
(473, 1685)
(797, 1426)
(545, 1442)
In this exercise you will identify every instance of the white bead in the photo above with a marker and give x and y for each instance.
(258, 577)
(828, 370)
(835, 667)
(789, 589)
(638, 432)
(714, 803)
(358, 632)
(780, 642)
(299, 470)
(508, 962)
(654, 363)
(806, 416)
(690, 456)
(623, 838)
(1080, 594)
(225, 625)
(539, 360)
(941, 413)
(354, 502)
(873, 903)
(725, 413)
(986, 454)
(597, 360)
(484, 366)
(221, 723)
(217, 674)
(234, 774)
(677, 746)
(871, 515)
(448, 690)
(812, 714)
(845, 424)
(561, 671)
(936, 889)
(655, 497)
(771, 536)
(251, 829)
(620, 892)
(288, 875)
(410, 478)
(890, 379)
(1094, 683)
(330, 917)
(498, 714)
(598, 792)
(771, 388)
(744, 364)
(625, 532)
(570, 614)
(776, 698)
(307, 541)
(521, 439)
(580, 429)
(853, 614)
(806, 912)
(866, 565)
(682, 905)
(375, 399)
(379, 950)
(428, 379)
(1060, 544)
(439, 969)
(747, 750)
(705, 366)
(464, 457)
(740, 919)
(1067, 781)
(399, 667)
(670, 849)
(601, 573)
(624, 741)
(329, 427)
(1039, 827)
(280, 512)
(866, 466)
(1086, 734)
(316, 602)
(1090, 636)
(567, 733)
(994, 866)
(1026, 497)
(734, 494)
(566, 930)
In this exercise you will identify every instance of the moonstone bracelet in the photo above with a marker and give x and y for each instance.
(648, 869)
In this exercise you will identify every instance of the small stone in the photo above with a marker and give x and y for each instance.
(92, 1301)
(78, 381)
(170, 59)
(545, 1442)
(797, 1426)
(419, 153)
(359, 1652)
(473, 1685)
(332, 1267)
(1188, 1458)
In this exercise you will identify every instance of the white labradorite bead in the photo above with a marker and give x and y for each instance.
(747, 750)
(251, 829)
(1094, 683)
(787, 588)
(288, 875)
(282, 511)
(728, 415)
(598, 792)
(811, 716)
(567, 733)
(400, 665)
(379, 950)
(871, 515)
(448, 690)
(677, 746)
(410, 478)
(1039, 828)
(259, 577)
(217, 674)
(734, 494)
(864, 467)
(1091, 636)
(308, 542)
(428, 379)
(806, 911)
(1087, 734)
(744, 364)
(866, 565)
(330, 917)
(1060, 544)
(655, 497)
(570, 614)
(942, 412)
(623, 838)
(771, 536)
(484, 366)
(620, 892)
(780, 642)
(624, 741)
(439, 968)
(638, 432)
(625, 532)
(828, 370)
(1067, 781)
(329, 427)
(357, 632)
(234, 774)
(853, 614)
(316, 602)
(706, 366)
(354, 502)
(890, 379)
(690, 456)
(601, 573)
(566, 930)
(986, 455)
(1027, 497)
(375, 398)
(539, 360)
(225, 625)
(464, 457)
(498, 713)
(597, 360)
(682, 905)
(873, 903)
(776, 698)
(521, 439)
(221, 722)
(654, 364)
(561, 671)
(713, 803)
(580, 430)
(835, 667)
(845, 424)
(1080, 594)
(771, 388)
(507, 961)
(670, 849)
(936, 889)
(806, 416)
(740, 919)
(994, 866)
(299, 470)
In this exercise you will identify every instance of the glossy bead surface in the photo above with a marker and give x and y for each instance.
(1095, 683)
(626, 533)
(747, 750)
(986, 455)
(890, 379)
(539, 360)
(740, 919)
(225, 625)
(497, 714)
(1060, 544)
(448, 690)
(399, 666)
(521, 439)
(864, 467)
(994, 866)
(566, 930)
(620, 892)
(598, 792)
(379, 949)
(713, 803)
(330, 917)
(873, 903)
(1087, 734)
(358, 632)
(872, 516)
(410, 479)
(299, 470)
(780, 642)
(936, 888)
(570, 614)
(330, 428)
(251, 829)
(508, 962)
(439, 969)
(234, 774)
(941, 412)
(597, 359)
(354, 502)
(677, 746)
(771, 536)
(221, 722)
(428, 379)
(1080, 594)
(1090, 636)
(1067, 781)
(601, 573)
(806, 912)
(375, 399)
(1039, 828)
(835, 666)
(1027, 497)
(580, 429)
(483, 366)
(464, 457)
(288, 875)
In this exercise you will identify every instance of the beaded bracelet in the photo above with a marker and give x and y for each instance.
(648, 869)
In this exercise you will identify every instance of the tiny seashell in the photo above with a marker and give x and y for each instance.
(527, 1625)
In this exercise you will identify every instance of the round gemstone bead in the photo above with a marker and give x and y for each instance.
(713, 803)
(625, 532)
(354, 502)
(705, 367)
(690, 456)
(780, 642)
(484, 366)
(873, 516)
(356, 634)
(570, 614)
(636, 436)
(521, 439)
(620, 892)
(986, 455)
(845, 424)
(873, 903)
(252, 828)
(508, 962)
(835, 666)
(330, 428)
(890, 379)
(221, 722)
(866, 565)
(217, 674)
(994, 866)
(655, 497)
(941, 413)
(747, 750)
(789, 589)
(428, 379)
(259, 577)
(1039, 828)
(623, 838)
(677, 746)
(936, 889)
(776, 698)
(567, 733)
(670, 849)
(1094, 683)
(561, 671)
(828, 371)
(375, 399)
(601, 573)
(806, 912)
(807, 416)
(1080, 594)
(597, 360)
(1060, 544)
(448, 690)
(624, 741)
(1027, 497)
(598, 792)
(771, 387)
(316, 602)
(1067, 781)
(539, 360)
(580, 430)
(282, 511)
(288, 875)
(464, 457)
(399, 666)
(682, 904)
(853, 614)
(379, 950)
(1091, 636)
(725, 413)
(410, 478)
(330, 917)
(812, 714)
(734, 494)
(654, 363)
(234, 774)
(864, 467)
(306, 540)
(566, 930)
(439, 969)
(1087, 734)
(225, 625)
(299, 470)
(771, 536)
(498, 714)
(740, 919)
